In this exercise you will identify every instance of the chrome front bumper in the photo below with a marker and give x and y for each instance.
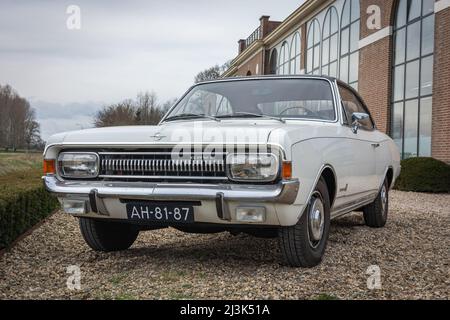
(284, 192)
(96, 193)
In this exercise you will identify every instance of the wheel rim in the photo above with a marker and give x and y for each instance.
(384, 199)
(316, 220)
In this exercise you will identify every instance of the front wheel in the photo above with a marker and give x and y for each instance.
(375, 214)
(303, 245)
(108, 236)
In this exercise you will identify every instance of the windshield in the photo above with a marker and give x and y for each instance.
(268, 98)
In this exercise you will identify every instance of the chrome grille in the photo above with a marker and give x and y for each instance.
(160, 165)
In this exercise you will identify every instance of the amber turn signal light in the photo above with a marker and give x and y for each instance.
(286, 170)
(49, 167)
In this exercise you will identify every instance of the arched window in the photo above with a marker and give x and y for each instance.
(330, 34)
(273, 61)
(295, 54)
(249, 73)
(313, 49)
(349, 64)
(283, 67)
(413, 77)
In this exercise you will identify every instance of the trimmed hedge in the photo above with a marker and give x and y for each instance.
(23, 203)
(424, 175)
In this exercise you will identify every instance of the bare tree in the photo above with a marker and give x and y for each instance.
(145, 110)
(121, 114)
(18, 125)
(208, 74)
(212, 73)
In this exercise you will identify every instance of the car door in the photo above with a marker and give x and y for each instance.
(361, 181)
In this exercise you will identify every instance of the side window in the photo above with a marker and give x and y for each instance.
(350, 105)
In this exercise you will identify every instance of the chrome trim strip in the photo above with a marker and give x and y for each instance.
(353, 206)
(115, 144)
(284, 192)
(162, 177)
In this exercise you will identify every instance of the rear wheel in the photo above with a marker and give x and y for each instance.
(303, 245)
(375, 214)
(106, 235)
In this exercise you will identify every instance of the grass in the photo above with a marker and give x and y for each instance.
(117, 279)
(16, 162)
(325, 296)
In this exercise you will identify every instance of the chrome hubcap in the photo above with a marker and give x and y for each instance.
(316, 221)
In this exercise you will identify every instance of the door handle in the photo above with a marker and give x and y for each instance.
(375, 145)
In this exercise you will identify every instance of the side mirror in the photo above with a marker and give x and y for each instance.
(357, 117)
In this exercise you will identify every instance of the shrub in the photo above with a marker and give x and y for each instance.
(424, 175)
(23, 203)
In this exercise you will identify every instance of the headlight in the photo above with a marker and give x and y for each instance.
(78, 165)
(252, 167)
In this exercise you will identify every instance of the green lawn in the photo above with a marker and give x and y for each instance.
(19, 161)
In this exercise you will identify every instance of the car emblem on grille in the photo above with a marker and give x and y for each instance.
(157, 137)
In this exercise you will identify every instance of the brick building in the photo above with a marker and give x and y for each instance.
(396, 53)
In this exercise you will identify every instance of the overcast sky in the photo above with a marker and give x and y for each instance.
(122, 48)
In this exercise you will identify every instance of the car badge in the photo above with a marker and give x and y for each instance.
(157, 137)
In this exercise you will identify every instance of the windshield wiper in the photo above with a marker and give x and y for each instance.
(191, 115)
(259, 115)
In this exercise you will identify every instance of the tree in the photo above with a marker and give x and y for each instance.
(120, 114)
(18, 125)
(212, 73)
(208, 74)
(145, 110)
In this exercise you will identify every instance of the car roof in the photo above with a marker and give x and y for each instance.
(265, 77)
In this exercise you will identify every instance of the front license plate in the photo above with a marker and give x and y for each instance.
(160, 212)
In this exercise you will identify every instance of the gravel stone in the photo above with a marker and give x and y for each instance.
(412, 252)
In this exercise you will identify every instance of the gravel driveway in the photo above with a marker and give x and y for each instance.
(412, 252)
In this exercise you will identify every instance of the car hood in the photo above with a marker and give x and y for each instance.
(236, 131)
(196, 132)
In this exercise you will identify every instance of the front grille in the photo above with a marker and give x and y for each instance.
(161, 166)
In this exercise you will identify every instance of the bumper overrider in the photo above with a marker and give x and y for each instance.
(218, 202)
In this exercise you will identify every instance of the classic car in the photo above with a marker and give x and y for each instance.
(269, 156)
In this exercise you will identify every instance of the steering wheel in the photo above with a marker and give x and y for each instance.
(307, 111)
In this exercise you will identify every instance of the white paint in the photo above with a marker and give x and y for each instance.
(383, 33)
(441, 5)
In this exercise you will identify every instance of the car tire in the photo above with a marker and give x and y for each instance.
(375, 214)
(303, 245)
(263, 233)
(108, 236)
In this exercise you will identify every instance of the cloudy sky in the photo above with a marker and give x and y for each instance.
(122, 48)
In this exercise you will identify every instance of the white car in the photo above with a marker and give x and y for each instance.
(268, 156)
